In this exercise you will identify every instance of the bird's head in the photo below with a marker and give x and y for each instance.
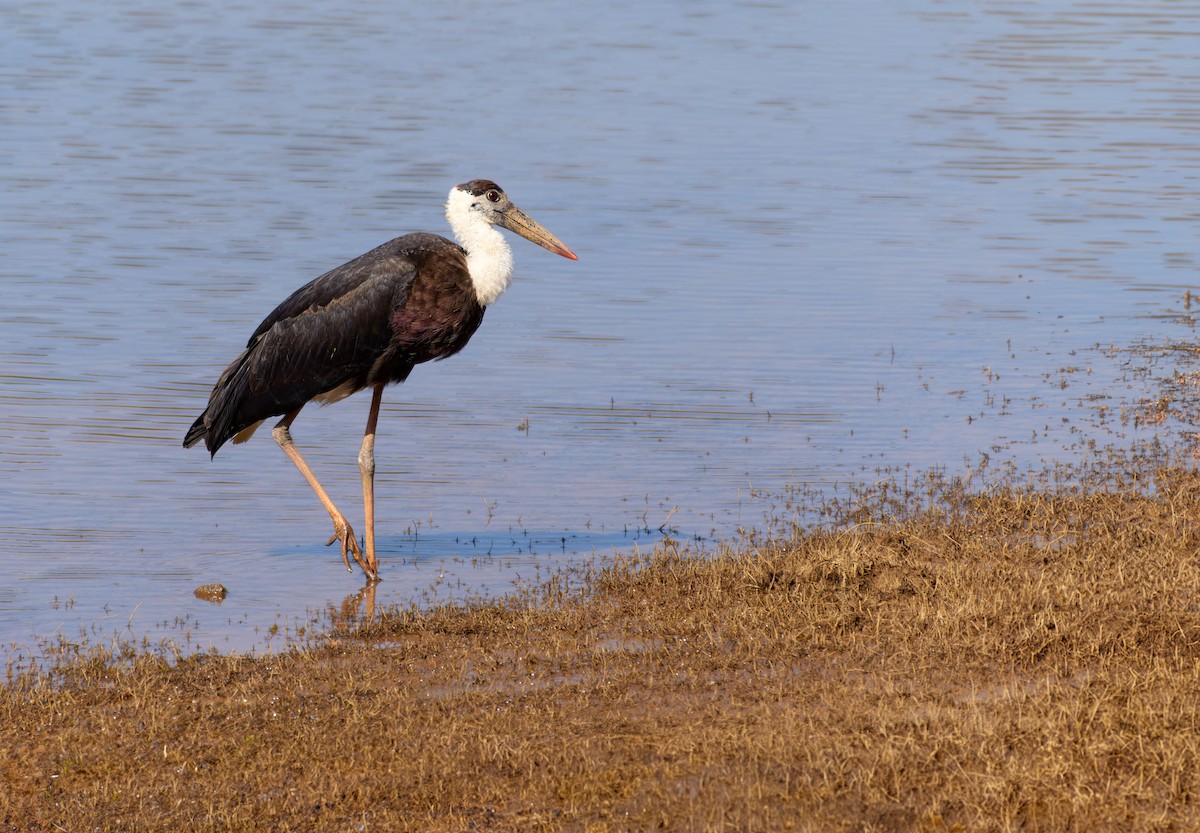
(482, 201)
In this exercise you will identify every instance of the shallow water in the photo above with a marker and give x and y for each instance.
(814, 247)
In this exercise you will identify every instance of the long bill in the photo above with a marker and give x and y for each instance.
(516, 220)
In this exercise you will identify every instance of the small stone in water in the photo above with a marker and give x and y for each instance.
(214, 593)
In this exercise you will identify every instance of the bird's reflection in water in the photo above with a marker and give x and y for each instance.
(357, 609)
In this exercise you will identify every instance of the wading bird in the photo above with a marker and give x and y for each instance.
(366, 324)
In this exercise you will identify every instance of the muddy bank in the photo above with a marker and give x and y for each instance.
(926, 656)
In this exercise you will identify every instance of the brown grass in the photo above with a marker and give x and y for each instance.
(930, 657)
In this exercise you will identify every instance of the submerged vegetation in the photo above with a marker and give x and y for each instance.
(936, 655)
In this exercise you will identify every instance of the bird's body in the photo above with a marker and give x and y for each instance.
(366, 324)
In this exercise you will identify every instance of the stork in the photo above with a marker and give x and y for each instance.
(367, 324)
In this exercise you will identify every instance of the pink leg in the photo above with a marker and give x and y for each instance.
(341, 527)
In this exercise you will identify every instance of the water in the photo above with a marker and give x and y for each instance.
(815, 247)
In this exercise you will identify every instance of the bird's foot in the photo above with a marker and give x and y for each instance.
(344, 533)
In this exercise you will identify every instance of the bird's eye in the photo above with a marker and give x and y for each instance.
(493, 196)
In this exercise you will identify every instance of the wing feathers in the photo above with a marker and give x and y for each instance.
(328, 334)
(351, 327)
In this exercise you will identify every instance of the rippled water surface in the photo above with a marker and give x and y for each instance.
(814, 246)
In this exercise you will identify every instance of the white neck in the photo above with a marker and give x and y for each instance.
(489, 258)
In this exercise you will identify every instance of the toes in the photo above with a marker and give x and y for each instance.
(345, 534)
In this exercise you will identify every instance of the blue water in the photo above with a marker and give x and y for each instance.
(816, 246)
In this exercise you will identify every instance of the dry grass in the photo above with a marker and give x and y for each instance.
(928, 658)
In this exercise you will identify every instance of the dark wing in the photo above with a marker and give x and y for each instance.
(327, 335)
(325, 346)
(388, 260)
